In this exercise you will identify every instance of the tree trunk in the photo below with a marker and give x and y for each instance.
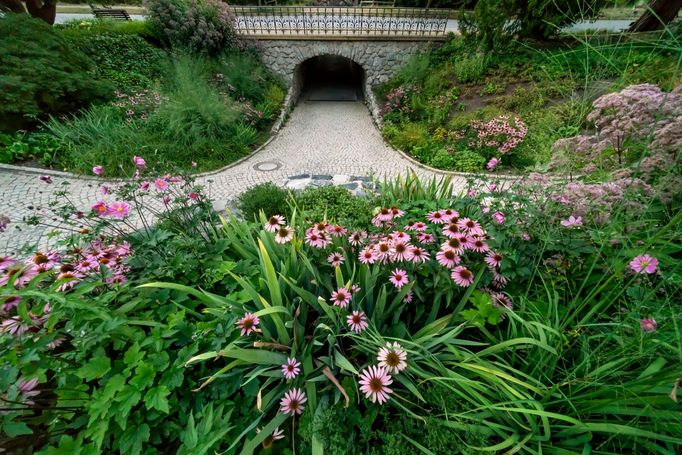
(658, 14)
(44, 9)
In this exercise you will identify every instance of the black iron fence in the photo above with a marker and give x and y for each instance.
(321, 21)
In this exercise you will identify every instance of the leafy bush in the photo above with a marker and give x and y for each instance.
(23, 146)
(198, 26)
(40, 74)
(268, 197)
(334, 204)
(127, 60)
(407, 135)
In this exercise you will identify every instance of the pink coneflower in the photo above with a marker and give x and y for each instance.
(493, 259)
(648, 325)
(644, 264)
(46, 178)
(399, 278)
(87, 265)
(420, 226)
(451, 216)
(408, 297)
(383, 251)
(318, 228)
(15, 326)
(501, 300)
(161, 184)
(118, 209)
(396, 212)
(367, 256)
(499, 217)
(454, 245)
(357, 321)
(448, 258)
(419, 255)
(341, 297)
(485, 210)
(572, 222)
(117, 279)
(410, 225)
(436, 217)
(451, 231)
(139, 162)
(69, 280)
(492, 164)
(100, 208)
(384, 214)
(472, 227)
(292, 403)
(462, 276)
(399, 236)
(357, 238)
(335, 259)
(6, 262)
(284, 234)
(10, 302)
(193, 195)
(273, 223)
(336, 230)
(355, 289)
(479, 245)
(276, 435)
(374, 382)
(401, 252)
(312, 238)
(392, 357)
(291, 369)
(248, 323)
(499, 281)
(27, 390)
(425, 238)
(98, 170)
(465, 241)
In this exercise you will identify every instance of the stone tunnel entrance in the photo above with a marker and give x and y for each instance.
(330, 78)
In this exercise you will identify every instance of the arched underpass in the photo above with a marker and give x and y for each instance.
(330, 78)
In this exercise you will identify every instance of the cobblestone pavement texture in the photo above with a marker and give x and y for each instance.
(320, 138)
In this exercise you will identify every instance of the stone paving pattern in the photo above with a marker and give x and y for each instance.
(336, 139)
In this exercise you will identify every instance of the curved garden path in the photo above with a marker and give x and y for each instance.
(332, 138)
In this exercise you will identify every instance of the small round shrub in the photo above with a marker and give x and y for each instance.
(335, 204)
(268, 197)
(468, 161)
(198, 26)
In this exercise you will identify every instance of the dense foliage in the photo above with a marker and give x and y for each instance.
(501, 314)
(457, 109)
(198, 26)
(40, 74)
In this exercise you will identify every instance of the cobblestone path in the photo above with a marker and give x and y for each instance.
(324, 138)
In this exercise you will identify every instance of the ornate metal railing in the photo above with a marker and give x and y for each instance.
(328, 21)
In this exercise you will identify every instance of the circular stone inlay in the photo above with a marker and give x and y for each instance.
(267, 166)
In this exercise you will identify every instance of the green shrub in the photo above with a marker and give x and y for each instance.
(266, 197)
(471, 69)
(198, 26)
(468, 161)
(335, 204)
(407, 135)
(23, 146)
(443, 160)
(40, 74)
(127, 60)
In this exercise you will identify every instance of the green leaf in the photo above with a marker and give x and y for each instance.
(156, 399)
(267, 430)
(344, 363)
(132, 440)
(133, 355)
(144, 376)
(14, 429)
(95, 368)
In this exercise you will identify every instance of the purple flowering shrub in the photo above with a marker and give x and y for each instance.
(397, 101)
(199, 26)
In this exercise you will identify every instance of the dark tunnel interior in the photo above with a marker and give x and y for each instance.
(331, 78)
